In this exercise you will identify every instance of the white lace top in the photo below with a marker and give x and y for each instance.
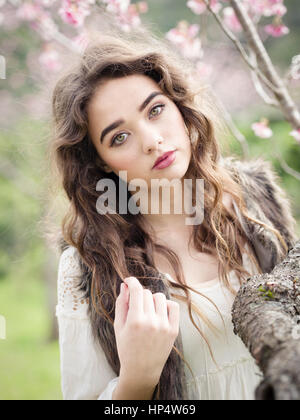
(86, 374)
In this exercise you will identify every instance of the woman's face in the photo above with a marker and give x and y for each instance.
(132, 123)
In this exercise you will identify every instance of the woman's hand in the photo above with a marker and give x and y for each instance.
(146, 326)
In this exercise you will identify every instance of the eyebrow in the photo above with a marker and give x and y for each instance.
(119, 122)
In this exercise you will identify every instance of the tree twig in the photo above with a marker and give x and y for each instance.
(259, 88)
(255, 43)
(268, 74)
(240, 47)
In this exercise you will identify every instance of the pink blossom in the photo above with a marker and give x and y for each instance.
(126, 14)
(199, 6)
(142, 6)
(279, 10)
(117, 6)
(276, 30)
(74, 12)
(231, 20)
(296, 134)
(50, 60)
(129, 19)
(265, 7)
(261, 129)
(184, 37)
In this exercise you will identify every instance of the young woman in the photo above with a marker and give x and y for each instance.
(144, 298)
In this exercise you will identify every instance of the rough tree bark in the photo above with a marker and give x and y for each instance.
(265, 314)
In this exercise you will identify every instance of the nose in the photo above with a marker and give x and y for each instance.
(152, 144)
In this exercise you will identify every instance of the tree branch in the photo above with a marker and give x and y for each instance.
(267, 74)
(286, 167)
(259, 88)
(239, 47)
(255, 43)
(265, 315)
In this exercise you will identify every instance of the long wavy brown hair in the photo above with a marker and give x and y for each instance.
(115, 246)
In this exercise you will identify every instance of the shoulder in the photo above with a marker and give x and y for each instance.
(258, 180)
(69, 262)
(263, 194)
(254, 174)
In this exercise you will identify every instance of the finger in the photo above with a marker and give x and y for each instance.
(161, 308)
(173, 314)
(149, 307)
(121, 306)
(136, 293)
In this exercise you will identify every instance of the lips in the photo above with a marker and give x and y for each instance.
(163, 157)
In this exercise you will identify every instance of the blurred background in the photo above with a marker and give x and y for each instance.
(29, 356)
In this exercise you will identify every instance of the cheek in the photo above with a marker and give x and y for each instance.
(122, 161)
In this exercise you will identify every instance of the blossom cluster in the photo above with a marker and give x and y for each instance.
(47, 16)
(39, 14)
(256, 9)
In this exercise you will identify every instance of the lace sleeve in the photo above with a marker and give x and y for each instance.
(71, 301)
(85, 372)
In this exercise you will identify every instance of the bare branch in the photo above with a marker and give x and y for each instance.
(237, 134)
(285, 166)
(255, 43)
(259, 88)
(240, 48)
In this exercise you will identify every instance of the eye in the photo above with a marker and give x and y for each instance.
(161, 106)
(115, 141)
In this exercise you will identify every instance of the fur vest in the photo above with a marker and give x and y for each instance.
(265, 201)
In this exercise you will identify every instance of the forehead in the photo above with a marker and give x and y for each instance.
(114, 95)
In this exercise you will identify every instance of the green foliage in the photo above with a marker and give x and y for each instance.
(21, 185)
(29, 363)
